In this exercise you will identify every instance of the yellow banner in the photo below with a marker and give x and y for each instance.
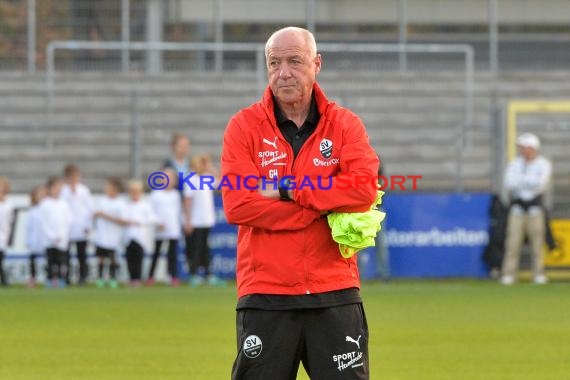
(559, 257)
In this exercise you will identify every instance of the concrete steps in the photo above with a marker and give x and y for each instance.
(412, 120)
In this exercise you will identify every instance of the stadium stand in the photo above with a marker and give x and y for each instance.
(412, 120)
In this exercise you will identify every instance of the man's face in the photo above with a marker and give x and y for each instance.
(291, 68)
(182, 148)
(527, 153)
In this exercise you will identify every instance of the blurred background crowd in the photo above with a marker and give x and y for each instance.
(444, 88)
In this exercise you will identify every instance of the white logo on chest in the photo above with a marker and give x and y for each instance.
(272, 143)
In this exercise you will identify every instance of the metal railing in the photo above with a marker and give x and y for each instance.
(258, 49)
(53, 46)
(128, 20)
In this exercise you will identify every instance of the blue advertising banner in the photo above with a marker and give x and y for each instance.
(223, 243)
(428, 235)
(437, 235)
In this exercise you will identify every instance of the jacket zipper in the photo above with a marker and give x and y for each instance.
(289, 169)
(308, 291)
(304, 148)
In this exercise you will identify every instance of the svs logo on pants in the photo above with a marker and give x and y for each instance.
(252, 346)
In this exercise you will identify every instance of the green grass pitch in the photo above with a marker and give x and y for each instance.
(419, 331)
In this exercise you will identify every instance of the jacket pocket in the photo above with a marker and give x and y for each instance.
(277, 257)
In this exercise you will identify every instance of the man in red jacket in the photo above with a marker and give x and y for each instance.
(299, 299)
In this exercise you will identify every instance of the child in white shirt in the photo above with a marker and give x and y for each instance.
(167, 207)
(139, 216)
(34, 234)
(110, 218)
(56, 222)
(6, 217)
(79, 199)
(199, 218)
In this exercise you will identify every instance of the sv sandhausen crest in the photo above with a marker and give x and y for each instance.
(326, 147)
(252, 346)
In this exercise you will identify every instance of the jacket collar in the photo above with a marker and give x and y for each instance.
(313, 116)
(269, 104)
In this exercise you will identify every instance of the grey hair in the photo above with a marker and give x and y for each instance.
(307, 35)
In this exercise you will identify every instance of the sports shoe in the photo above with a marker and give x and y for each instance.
(507, 280)
(215, 281)
(113, 284)
(540, 279)
(149, 282)
(100, 283)
(196, 281)
(175, 282)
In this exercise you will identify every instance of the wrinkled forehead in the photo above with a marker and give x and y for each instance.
(526, 147)
(287, 43)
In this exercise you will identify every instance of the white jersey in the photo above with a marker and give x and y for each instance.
(80, 203)
(141, 216)
(56, 222)
(203, 211)
(167, 207)
(6, 216)
(34, 234)
(527, 180)
(107, 234)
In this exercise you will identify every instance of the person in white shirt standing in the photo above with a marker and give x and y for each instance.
(526, 180)
(56, 223)
(34, 234)
(110, 218)
(199, 218)
(79, 199)
(6, 217)
(139, 217)
(167, 207)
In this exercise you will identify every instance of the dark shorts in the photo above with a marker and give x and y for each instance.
(332, 343)
(104, 252)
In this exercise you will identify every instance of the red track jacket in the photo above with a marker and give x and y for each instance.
(286, 247)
